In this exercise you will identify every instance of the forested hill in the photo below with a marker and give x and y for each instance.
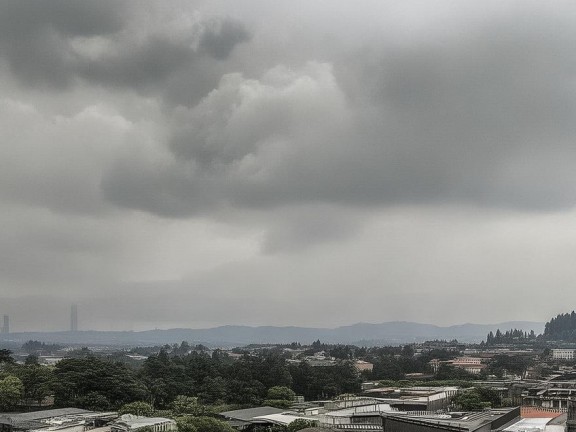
(362, 334)
(563, 327)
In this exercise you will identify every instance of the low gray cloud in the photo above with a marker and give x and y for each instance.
(482, 118)
(377, 158)
(122, 44)
(220, 37)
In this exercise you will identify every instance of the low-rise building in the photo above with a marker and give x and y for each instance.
(130, 422)
(63, 419)
(563, 353)
(362, 365)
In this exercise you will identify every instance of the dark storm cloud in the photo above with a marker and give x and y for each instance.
(275, 153)
(482, 116)
(55, 44)
(33, 35)
(220, 37)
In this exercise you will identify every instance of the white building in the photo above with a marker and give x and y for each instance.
(130, 422)
(563, 354)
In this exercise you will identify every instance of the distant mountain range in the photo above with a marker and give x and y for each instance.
(364, 334)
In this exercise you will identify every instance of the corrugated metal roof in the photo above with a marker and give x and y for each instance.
(249, 413)
(40, 415)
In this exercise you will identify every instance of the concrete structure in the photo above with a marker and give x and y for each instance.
(414, 398)
(244, 418)
(482, 421)
(542, 422)
(64, 419)
(360, 417)
(6, 325)
(563, 353)
(571, 417)
(471, 365)
(285, 418)
(385, 418)
(548, 396)
(74, 318)
(362, 365)
(130, 422)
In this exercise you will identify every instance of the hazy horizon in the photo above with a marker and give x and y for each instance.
(198, 163)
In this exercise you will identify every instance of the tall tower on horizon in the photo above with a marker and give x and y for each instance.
(6, 325)
(74, 318)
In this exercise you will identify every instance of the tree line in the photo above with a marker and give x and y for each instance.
(100, 383)
(510, 336)
(562, 327)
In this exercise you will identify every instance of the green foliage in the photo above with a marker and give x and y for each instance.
(187, 405)
(185, 424)
(34, 347)
(510, 336)
(276, 403)
(213, 390)
(280, 392)
(299, 424)
(6, 356)
(75, 379)
(511, 364)
(325, 382)
(93, 401)
(139, 408)
(11, 391)
(447, 372)
(38, 381)
(562, 327)
(476, 398)
(202, 424)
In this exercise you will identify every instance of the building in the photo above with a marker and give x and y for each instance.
(6, 325)
(63, 419)
(383, 417)
(74, 318)
(414, 398)
(471, 365)
(563, 353)
(245, 418)
(362, 365)
(480, 421)
(549, 395)
(130, 422)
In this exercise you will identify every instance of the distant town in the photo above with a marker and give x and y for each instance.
(513, 380)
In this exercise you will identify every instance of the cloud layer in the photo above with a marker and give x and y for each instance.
(201, 155)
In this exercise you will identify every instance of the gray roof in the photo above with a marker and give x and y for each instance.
(40, 415)
(248, 414)
(317, 429)
(466, 421)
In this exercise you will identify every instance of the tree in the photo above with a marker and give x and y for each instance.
(139, 408)
(38, 381)
(183, 405)
(279, 397)
(76, 378)
(6, 356)
(185, 424)
(202, 424)
(470, 400)
(11, 391)
(299, 424)
(280, 392)
(93, 401)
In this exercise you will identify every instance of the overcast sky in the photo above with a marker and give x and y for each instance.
(313, 163)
